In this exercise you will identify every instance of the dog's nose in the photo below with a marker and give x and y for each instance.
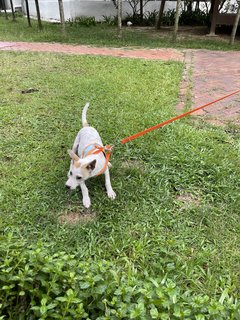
(68, 187)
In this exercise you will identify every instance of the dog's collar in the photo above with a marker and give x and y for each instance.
(96, 149)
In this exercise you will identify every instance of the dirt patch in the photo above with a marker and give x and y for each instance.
(73, 218)
(133, 164)
(188, 199)
(216, 122)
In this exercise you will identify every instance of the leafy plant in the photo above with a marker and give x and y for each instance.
(39, 284)
(168, 17)
(109, 20)
(149, 18)
(82, 21)
(194, 18)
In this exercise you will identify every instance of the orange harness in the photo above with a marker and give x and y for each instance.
(96, 149)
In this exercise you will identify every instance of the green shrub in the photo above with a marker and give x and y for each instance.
(168, 17)
(149, 19)
(194, 18)
(38, 284)
(109, 20)
(82, 21)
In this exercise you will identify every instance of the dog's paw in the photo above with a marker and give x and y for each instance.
(111, 194)
(86, 202)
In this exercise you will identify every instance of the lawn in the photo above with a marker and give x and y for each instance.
(176, 214)
(105, 35)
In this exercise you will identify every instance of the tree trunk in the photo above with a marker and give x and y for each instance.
(38, 15)
(234, 30)
(189, 6)
(120, 19)
(197, 5)
(61, 12)
(4, 8)
(141, 10)
(213, 13)
(176, 20)
(160, 14)
(12, 9)
(28, 14)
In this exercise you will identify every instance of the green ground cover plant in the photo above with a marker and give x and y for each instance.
(175, 218)
(39, 285)
(105, 34)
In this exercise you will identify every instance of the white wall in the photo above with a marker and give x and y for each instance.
(16, 3)
(75, 8)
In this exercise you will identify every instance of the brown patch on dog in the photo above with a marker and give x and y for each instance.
(73, 155)
(76, 217)
(77, 164)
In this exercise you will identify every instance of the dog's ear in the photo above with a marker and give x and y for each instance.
(73, 155)
(91, 166)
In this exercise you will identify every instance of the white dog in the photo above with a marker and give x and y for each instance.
(89, 159)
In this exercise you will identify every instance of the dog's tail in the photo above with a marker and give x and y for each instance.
(84, 115)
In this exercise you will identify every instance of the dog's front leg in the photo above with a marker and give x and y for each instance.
(85, 194)
(111, 194)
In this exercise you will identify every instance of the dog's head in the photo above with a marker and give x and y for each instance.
(80, 169)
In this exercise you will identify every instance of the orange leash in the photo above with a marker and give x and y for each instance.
(141, 133)
(107, 150)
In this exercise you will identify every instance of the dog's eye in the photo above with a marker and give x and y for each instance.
(78, 177)
(70, 173)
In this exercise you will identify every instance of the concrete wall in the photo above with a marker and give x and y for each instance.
(16, 4)
(76, 8)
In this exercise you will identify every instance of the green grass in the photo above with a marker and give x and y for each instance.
(103, 35)
(176, 214)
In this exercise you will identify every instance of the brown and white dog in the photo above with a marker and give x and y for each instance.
(87, 161)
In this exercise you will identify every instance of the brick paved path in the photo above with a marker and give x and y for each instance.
(151, 54)
(213, 73)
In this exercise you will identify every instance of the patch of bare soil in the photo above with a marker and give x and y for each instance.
(188, 199)
(215, 122)
(133, 164)
(73, 218)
